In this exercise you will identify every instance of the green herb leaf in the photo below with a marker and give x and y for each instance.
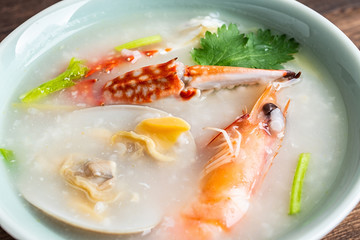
(140, 42)
(295, 199)
(228, 47)
(8, 155)
(74, 71)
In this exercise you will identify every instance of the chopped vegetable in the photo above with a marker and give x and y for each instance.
(8, 155)
(140, 42)
(253, 50)
(74, 71)
(295, 200)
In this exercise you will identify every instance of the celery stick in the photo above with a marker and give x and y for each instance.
(8, 155)
(140, 42)
(295, 199)
(75, 71)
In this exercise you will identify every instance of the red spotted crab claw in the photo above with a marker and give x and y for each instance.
(173, 78)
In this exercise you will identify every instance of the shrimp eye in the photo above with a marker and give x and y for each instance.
(268, 108)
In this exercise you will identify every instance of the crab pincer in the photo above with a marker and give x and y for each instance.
(173, 78)
(210, 77)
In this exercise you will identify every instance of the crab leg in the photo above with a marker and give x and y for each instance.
(210, 77)
(173, 78)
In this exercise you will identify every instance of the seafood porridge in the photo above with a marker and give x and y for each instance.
(189, 129)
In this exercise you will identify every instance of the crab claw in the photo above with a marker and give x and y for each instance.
(145, 84)
(210, 77)
(172, 78)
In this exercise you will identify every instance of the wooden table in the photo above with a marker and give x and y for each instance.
(343, 13)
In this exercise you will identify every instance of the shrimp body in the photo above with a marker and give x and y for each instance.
(243, 153)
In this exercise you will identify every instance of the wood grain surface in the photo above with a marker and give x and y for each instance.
(343, 13)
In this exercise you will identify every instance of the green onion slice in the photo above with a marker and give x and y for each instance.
(74, 71)
(140, 42)
(295, 199)
(8, 155)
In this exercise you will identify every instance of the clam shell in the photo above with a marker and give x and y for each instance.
(141, 181)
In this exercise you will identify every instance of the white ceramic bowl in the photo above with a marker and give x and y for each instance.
(59, 22)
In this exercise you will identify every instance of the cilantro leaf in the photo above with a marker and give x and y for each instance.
(74, 71)
(228, 47)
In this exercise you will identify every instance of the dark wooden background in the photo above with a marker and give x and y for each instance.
(343, 13)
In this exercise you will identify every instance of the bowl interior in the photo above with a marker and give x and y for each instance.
(68, 18)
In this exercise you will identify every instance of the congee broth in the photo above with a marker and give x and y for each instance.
(130, 147)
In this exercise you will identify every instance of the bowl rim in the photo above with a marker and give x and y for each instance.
(322, 228)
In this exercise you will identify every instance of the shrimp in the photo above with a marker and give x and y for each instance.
(243, 154)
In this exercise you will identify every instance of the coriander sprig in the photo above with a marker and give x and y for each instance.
(229, 47)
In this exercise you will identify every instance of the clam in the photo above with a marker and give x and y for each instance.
(95, 177)
(84, 179)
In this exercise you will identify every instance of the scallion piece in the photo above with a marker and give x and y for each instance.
(8, 155)
(140, 42)
(295, 199)
(74, 71)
